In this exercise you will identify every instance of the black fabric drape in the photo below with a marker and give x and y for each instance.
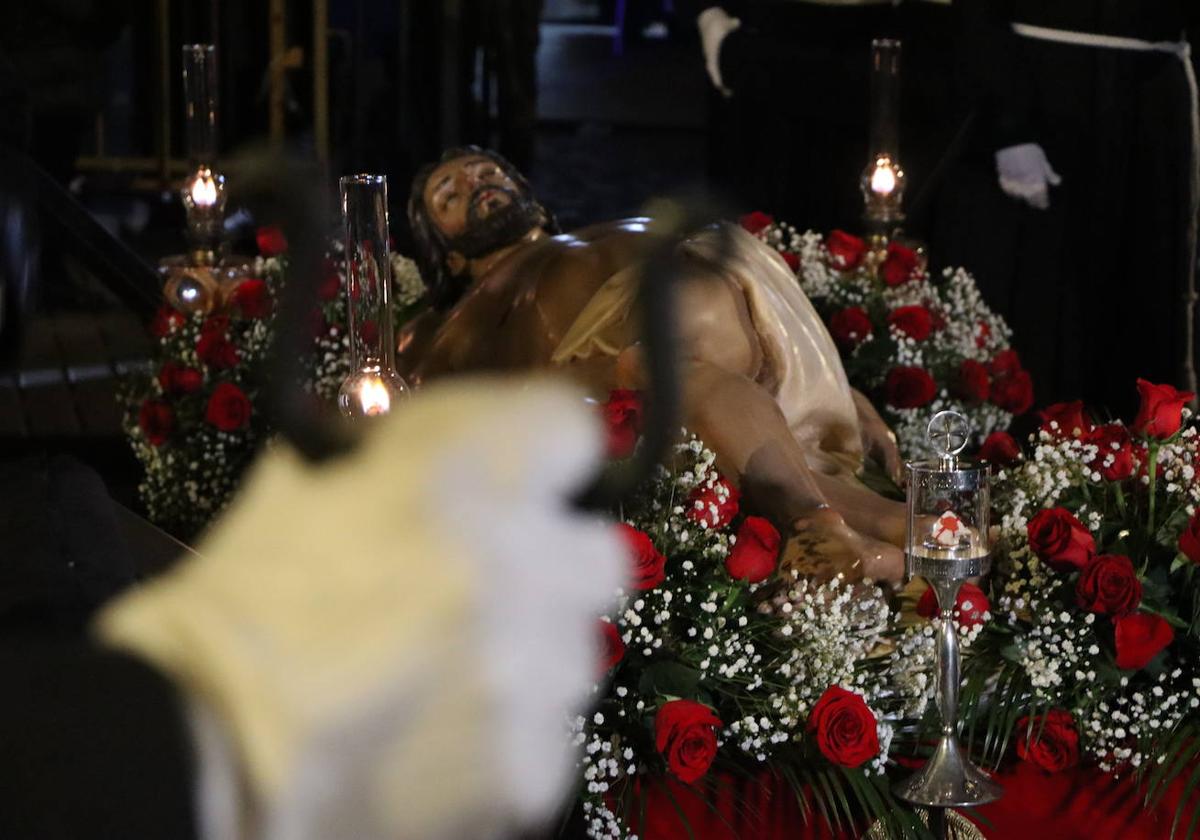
(792, 140)
(63, 555)
(94, 746)
(94, 743)
(1096, 288)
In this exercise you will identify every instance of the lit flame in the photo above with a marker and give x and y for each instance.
(883, 179)
(374, 397)
(204, 190)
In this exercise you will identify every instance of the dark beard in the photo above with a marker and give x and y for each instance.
(503, 226)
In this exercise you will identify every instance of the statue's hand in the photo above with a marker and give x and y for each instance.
(878, 440)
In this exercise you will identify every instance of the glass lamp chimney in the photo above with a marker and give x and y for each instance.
(203, 191)
(883, 180)
(373, 386)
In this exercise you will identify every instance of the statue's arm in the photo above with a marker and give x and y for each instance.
(878, 440)
(433, 344)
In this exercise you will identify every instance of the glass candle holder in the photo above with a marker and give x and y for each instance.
(373, 385)
(203, 191)
(883, 180)
(948, 519)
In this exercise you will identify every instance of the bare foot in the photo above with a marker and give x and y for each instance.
(822, 546)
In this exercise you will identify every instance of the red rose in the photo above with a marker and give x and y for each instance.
(1139, 638)
(612, 649)
(1000, 448)
(1049, 741)
(156, 420)
(216, 325)
(1109, 586)
(1114, 461)
(969, 608)
(216, 351)
(1013, 393)
(685, 732)
(647, 565)
(792, 260)
(166, 321)
(909, 387)
(1066, 419)
(846, 251)
(251, 299)
(755, 551)
(715, 505)
(179, 379)
(1161, 412)
(271, 241)
(228, 408)
(756, 222)
(623, 421)
(973, 382)
(914, 321)
(982, 334)
(332, 284)
(1189, 540)
(1006, 363)
(899, 265)
(850, 327)
(1060, 540)
(845, 728)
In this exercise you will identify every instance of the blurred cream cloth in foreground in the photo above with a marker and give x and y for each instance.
(388, 646)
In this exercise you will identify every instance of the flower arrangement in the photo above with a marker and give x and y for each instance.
(714, 660)
(194, 423)
(1095, 651)
(914, 343)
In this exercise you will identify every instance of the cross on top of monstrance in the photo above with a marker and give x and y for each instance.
(948, 433)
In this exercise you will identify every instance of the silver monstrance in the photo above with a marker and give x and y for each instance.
(949, 502)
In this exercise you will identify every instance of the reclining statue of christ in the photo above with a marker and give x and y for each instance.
(762, 382)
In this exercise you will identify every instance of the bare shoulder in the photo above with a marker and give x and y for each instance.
(596, 250)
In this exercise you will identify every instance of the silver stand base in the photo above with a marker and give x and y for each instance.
(948, 780)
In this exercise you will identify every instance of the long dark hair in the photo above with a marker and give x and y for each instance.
(431, 248)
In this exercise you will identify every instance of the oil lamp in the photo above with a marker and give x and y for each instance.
(948, 504)
(203, 191)
(882, 181)
(202, 279)
(373, 386)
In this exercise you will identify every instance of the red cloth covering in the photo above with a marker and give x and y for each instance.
(1081, 804)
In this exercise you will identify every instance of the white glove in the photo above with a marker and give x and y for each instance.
(1026, 174)
(391, 643)
(715, 24)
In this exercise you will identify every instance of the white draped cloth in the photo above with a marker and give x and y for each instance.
(802, 369)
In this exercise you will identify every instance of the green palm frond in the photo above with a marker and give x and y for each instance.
(1182, 748)
(683, 820)
(1185, 798)
(1169, 758)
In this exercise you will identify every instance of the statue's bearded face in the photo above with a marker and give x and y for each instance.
(477, 207)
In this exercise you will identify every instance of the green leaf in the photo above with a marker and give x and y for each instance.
(669, 679)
